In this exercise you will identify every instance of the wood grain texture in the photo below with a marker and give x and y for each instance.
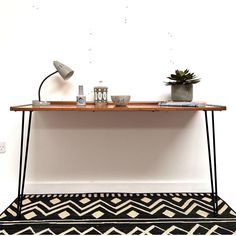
(132, 106)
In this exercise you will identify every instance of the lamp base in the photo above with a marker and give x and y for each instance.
(40, 103)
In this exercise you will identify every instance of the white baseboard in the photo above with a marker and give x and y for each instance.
(88, 187)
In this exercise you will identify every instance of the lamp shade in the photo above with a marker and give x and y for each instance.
(65, 71)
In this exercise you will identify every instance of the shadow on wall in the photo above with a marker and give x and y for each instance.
(107, 146)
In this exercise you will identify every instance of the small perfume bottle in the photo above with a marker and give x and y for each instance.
(81, 99)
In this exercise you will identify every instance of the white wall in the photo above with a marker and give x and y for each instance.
(132, 45)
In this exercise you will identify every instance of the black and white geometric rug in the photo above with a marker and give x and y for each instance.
(119, 213)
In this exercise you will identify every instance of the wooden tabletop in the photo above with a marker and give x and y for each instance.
(132, 106)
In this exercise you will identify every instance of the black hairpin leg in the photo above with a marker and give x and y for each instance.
(212, 166)
(22, 173)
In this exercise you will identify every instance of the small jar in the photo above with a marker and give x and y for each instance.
(100, 96)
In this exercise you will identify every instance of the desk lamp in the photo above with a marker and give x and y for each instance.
(65, 73)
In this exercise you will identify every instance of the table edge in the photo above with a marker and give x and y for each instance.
(137, 106)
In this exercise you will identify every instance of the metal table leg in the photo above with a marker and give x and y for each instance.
(22, 173)
(212, 163)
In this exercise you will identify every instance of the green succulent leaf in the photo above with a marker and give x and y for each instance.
(194, 81)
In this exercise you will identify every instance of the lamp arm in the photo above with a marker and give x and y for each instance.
(43, 82)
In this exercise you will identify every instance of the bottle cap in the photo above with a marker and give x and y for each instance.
(81, 90)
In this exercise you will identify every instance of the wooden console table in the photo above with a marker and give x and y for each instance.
(131, 107)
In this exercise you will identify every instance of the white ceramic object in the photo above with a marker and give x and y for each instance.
(120, 100)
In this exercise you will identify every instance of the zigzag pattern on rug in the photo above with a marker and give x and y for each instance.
(121, 205)
(120, 213)
(152, 229)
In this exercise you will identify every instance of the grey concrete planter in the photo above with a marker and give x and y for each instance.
(182, 92)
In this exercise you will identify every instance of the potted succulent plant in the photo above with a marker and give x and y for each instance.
(182, 85)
